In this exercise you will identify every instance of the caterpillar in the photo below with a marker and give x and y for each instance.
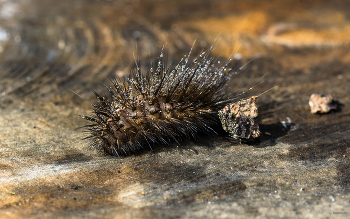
(161, 105)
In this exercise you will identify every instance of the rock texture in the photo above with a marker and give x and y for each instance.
(238, 119)
(320, 103)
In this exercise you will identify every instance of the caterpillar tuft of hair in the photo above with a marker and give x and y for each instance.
(161, 105)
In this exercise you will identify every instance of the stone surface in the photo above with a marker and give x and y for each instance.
(238, 119)
(300, 168)
(320, 103)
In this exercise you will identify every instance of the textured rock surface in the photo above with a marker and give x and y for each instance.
(238, 119)
(320, 103)
(300, 168)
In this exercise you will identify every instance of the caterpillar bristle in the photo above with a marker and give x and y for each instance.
(161, 105)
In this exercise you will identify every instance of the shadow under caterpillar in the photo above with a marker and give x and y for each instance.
(160, 105)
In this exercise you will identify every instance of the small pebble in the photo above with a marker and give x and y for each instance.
(238, 119)
(320, 103)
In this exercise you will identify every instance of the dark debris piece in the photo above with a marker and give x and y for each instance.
(238, 119)
(320, 103)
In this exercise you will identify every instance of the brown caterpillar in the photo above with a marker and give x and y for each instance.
(161, 105)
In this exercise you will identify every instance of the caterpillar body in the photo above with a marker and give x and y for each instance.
(160, 105)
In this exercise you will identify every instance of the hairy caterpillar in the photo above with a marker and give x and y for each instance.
(160, 105)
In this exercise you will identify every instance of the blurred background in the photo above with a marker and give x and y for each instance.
(48, 46)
